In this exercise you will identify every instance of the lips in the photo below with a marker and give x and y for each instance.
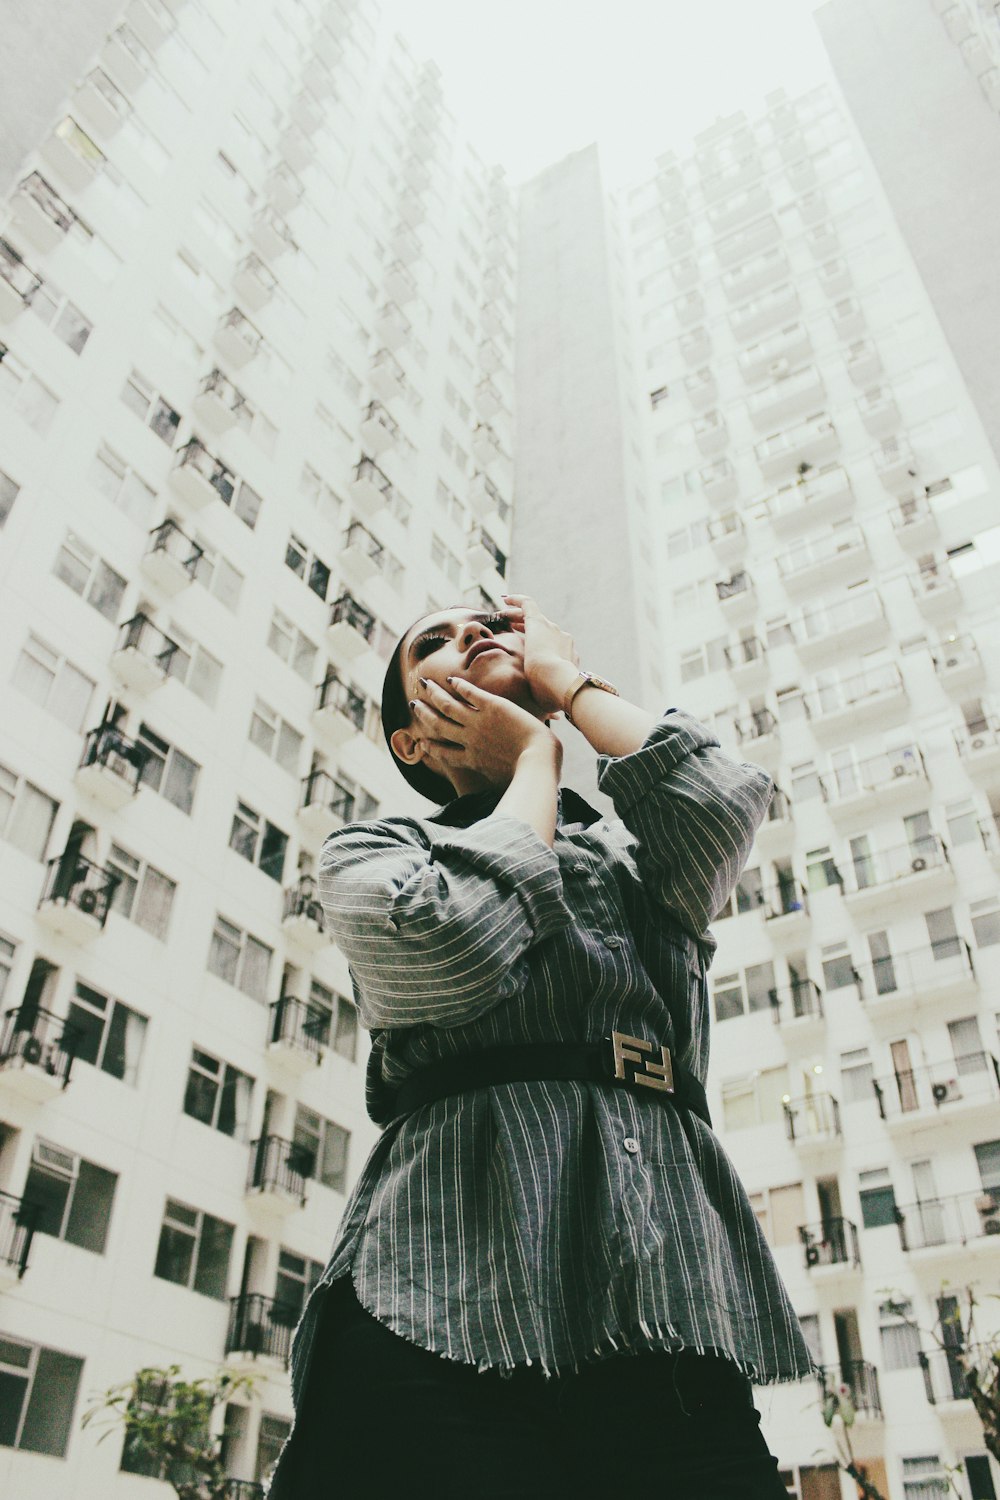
(480, 647)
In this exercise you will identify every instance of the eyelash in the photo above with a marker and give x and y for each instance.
(429, 643)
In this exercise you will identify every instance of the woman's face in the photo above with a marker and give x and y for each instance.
(484, 648)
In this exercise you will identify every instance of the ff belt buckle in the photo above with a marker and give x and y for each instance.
(629, 1052)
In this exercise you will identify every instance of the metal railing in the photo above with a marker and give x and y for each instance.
(302, 900)
(194, 455)
(731, 588)
(72, 880)
(795, 1002)
(368, 471)
(874, 773)
(945, 962)
(218, 384)
(783, 900)
(926, 852)
(17, 275)
(17, 1227)
(140, 634)
(300, 1024)
(169, 539)
(479, 536)
(39, 1038)
(280, 1166)
(107, 746)
(956, 1220)
(949, 1373)
(376, 412)
(834, 1242)
(334, 693)
(848, 692)
(261, 1325)
(861, 1380)
(974, 1076)
(359, 536)
(861, 609)
(319, 789)
(238, 321)
(347, 610)
(761, 722)
(812, 1117)
(244, 1489)
(45, 197)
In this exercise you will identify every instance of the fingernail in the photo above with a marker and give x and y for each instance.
(413, 702)
(422, 681)
(449, 679)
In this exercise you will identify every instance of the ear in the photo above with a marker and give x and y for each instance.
(406, 747)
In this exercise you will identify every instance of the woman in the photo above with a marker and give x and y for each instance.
(548, 1281)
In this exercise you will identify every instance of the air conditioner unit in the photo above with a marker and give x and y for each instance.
(54, 1160)
(87, 902)
(778, 368)
(989, 1214)
(31, 1048)
(944, 1093)
(900, 768)
(812, 1255)
(978, 743)
(918, 864)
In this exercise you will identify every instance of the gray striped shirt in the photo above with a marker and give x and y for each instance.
(553, 1223)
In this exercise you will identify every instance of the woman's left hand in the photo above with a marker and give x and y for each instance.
(550, 660)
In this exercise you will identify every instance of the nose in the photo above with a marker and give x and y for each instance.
(475, 631)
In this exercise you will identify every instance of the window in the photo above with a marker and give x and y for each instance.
(257, 840)
(158, 415)
(805, 782)
(120, 484)
(22, 394)
(195, 667)
(143, 894)
(174, 336)
(88, 575)
(962, 821)
(194, 1250)
(38, 1389)
(988, 1162)
(296, 1278)
(65, 320)
(167, 770)
(924, 1478)
(307, 566)
(109, 1034)
(49, 680)
(821, 869)
(73, 1197)
(900, 1339)
(287, 641)
(442, 557)
(7, 950)
(8, 494)
(838, 967)
(756, 1100)
(270, 733)
(878, 1199)
(239, 959)
(327, 1143)
(218, 1095)
(26, 814)
(986, 921)
(742, 995)
(217, 574)
(856, 1076)
(340, 1029)
(319, 493)
(780, 1211)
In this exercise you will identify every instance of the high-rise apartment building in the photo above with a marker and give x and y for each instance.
(258, 299)
(255, 396)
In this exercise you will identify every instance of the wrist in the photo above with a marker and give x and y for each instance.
(553, 683)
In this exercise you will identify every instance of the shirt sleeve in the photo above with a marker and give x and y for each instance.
(694, 812)
(436, 922)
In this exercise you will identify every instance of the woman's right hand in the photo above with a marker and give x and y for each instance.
(479, 731)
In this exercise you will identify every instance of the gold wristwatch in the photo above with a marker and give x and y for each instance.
(582, 680)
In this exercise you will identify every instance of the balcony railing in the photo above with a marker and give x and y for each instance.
(35, 188)
(334, 693)
(947, 1377)
(300, 1025)
(244, 1489)
(140, 634)
(834, 1242)
(106, 746)
(943, 965)
(347, 611)
(72, 880)
(875, 774)
(854, 612)
(359, 536)
(280, 1166)
(849, 693)
(817, 552)
(812, 1118)
(784, 900)
(17, 275)
(796, 1002)
(39, 1038)
(169, 540)
(745, 652)
(17, 1226)
(827, 492)
(962, 1219)
(974, 1078)
(261, 1325)
(861, 1382)
(219, 385)
(194, 455)
(479, 537)
(761, 723)
(731, 588)
(321, 791)
(983, 736)
(927, 852)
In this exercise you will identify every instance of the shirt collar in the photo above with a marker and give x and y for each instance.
(462, 812)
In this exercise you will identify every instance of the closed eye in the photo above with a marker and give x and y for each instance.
(427, 644)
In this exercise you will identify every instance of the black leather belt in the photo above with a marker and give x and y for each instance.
(623, 1061)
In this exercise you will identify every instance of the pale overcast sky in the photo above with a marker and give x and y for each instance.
(532, 80)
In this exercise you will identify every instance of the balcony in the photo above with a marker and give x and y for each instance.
(741, 173)
(878, 411)
(979, 746)
(284, 190)
(297, 1033)
(737, 597)
(895, 464)
(727, 536)
(486, 447)
(920, 870)
(710, 433)
(111, 767)
(484, 560)
(491, 357)
(695, 345)
(40, 214)
(896, 780)
(412, 209)
(822, 241)
(786, 911)
(487, 502)
(379, 431)
(940, 978)
(362, 555)
(759, 738)
(143, 656)
(747, 661)
(848, 318)
(989, 832)
(72, 153)
(339, 713)
(392, 326)
(948, 1381)
(198, 477)
(815, 562)
(689, 308)
(236, 338)
(318, 81)
(17, 1227)
(277, 1175)
(405, 248)
(825, 495)
(306, 112)
(749, 202)
(100, 103)
(867, 699)
(741, 282)
(935, 589)
(863, 362)
(151, 21)
(76, 896)
(400, 284)
(798, 1010)
(260, 1328)
(802, 174)
(773, 358)
(914, 523)
(807, 443)
(128, 60)
(719, 482)
(944, 1225)
(776, 834)
(701, 388)
(831, 1246)
(788, 396)
(685, 272)
(744, 242)
(296, 147)
(964, 1088)
(812, 1123)
(761, 313)
(957, 663)
(325, 805)
(220, 404)
(488, 400)
(957, 23)
(386, 376)
(254, 283)
(18, 285)
(37, 1050)
(302, 916)
(270, 234)
(351, 630)
(861, 1382)
(812, 209)
(856, 620)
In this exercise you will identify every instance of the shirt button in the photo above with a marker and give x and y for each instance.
(611, 941)
(631, 1145)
